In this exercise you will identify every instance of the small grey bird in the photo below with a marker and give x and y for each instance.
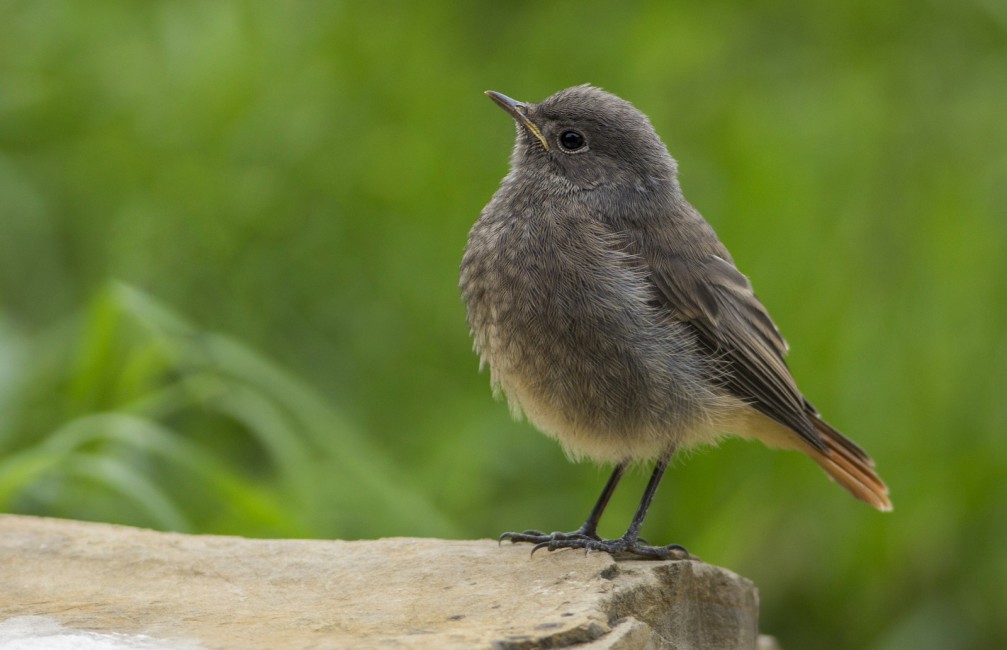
(612, 316)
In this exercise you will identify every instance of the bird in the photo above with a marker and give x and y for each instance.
(612, 316)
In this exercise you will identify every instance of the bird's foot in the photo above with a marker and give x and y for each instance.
(537, 537)
(620, 546)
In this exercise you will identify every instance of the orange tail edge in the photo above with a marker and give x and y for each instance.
(849, 466)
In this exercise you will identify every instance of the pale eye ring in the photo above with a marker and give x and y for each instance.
(571, 140)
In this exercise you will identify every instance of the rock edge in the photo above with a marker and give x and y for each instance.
(203, 591)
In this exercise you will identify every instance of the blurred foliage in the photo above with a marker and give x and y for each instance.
(302, 176)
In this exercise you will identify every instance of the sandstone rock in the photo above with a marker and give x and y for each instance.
(145, 589)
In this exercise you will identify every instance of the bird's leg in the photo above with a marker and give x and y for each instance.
(588, 531)
(630, 541)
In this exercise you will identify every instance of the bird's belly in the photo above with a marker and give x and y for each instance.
(580, 350)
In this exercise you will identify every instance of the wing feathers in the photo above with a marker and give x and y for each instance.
(732, 325)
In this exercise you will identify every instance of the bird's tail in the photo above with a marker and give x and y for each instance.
(849, 465)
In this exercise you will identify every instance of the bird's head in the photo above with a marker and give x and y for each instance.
(591, 139)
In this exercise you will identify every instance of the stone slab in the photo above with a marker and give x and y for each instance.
(142, 588)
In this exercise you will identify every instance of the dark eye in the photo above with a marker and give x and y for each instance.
(571, 140)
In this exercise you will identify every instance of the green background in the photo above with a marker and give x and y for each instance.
(229, 239)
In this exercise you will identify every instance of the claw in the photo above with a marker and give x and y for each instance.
(539, 546)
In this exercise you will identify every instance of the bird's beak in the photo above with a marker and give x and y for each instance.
(518, 111)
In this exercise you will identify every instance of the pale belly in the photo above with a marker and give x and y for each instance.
(573, 340)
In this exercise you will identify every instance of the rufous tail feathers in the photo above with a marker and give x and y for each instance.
(849, 465)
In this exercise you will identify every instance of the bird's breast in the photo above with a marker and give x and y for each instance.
(549, 284)
(565, 319)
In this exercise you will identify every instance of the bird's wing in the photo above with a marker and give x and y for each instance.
(717, 300)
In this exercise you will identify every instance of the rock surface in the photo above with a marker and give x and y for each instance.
(145, 589)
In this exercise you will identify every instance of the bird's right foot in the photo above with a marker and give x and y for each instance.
(538, 537)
